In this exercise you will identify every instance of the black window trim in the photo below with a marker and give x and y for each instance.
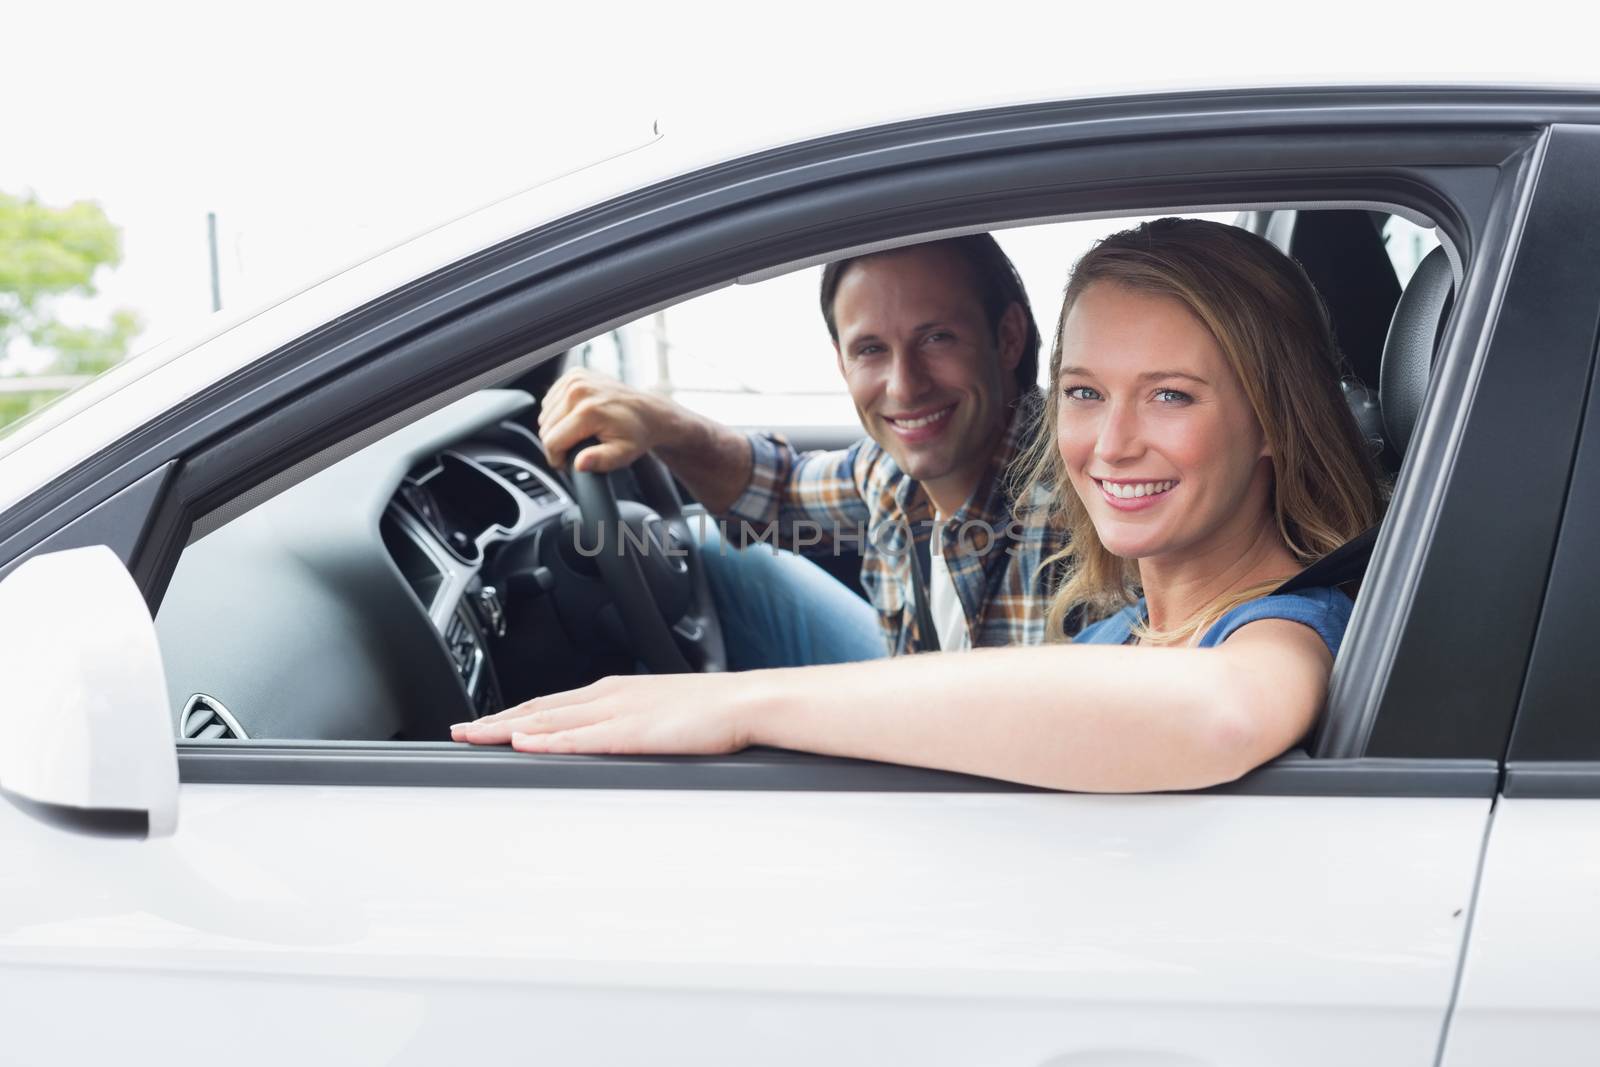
(1554, 748)
(442, 764)
(1552, 780)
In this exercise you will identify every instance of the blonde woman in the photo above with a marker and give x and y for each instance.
(1197, 445)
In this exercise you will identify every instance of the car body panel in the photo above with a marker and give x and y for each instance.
(1231, 928)
(1530, 981)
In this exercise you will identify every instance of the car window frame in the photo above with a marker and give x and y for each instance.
(1481, 171)
(1343, 787)
(1534, 361)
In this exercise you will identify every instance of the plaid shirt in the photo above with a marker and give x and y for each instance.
(860, 499)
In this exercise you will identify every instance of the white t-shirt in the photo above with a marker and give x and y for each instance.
(949, 618)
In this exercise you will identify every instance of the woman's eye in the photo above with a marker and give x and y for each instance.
(1080, 392)
(1172, 396)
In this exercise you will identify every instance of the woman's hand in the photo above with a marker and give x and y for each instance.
(683, 714)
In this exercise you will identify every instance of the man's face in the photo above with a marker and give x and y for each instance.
(929, 377)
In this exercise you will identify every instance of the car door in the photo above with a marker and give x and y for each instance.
(410, 903)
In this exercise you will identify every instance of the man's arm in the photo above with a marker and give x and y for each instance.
(712, 460)
(759, 479)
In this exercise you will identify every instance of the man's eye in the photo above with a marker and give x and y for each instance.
(1080, 392)
(1172, 396)
(869, 350)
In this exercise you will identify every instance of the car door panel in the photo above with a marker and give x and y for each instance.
(1531, 975)
(598, 925)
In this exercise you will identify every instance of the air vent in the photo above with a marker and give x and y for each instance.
(523, 478)
(205, 719)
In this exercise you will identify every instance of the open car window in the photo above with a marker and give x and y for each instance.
(432, 576)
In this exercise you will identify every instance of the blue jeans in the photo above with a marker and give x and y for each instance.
(779, 609)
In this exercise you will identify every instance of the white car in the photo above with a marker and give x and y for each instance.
(341, 520)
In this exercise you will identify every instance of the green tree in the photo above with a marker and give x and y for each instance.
(47, 253)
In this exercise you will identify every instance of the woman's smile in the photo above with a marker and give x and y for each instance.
(1128, 495)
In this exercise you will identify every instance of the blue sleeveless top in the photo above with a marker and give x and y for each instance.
(1324, 609)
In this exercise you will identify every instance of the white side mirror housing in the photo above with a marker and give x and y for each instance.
(86, 738)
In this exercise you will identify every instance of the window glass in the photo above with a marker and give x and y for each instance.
(605, 354)
(1407, 245)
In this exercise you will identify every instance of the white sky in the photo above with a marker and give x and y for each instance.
(322, 132)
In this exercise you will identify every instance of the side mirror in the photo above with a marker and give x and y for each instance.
(85, 730)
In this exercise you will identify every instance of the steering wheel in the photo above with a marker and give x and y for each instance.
(651, 563)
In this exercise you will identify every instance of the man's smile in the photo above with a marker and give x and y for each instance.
(920, 425)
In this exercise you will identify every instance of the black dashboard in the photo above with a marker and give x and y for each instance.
(429, 578)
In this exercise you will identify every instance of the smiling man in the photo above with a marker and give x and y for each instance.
(939, 351)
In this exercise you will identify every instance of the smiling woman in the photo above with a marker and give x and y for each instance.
(1200, 422)
(1201, 453)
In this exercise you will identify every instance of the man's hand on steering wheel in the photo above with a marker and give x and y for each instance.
(627, 422)
(594, 425)
(712, 460)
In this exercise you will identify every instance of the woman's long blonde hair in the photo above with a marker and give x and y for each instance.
(1272, 327)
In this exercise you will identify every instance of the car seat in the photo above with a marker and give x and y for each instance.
(1343, 253)
(1408, 353)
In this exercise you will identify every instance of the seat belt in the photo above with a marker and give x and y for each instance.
(927, 634)
(1347, 563)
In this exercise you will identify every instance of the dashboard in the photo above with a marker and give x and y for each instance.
(428, 578)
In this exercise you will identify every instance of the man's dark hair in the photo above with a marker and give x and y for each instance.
(993, 276)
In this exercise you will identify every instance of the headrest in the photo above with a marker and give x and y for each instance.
(1343, 253)
(1408, 350)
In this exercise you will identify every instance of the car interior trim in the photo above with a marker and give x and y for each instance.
(314, 558)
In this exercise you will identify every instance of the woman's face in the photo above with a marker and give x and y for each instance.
(1155, 430)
